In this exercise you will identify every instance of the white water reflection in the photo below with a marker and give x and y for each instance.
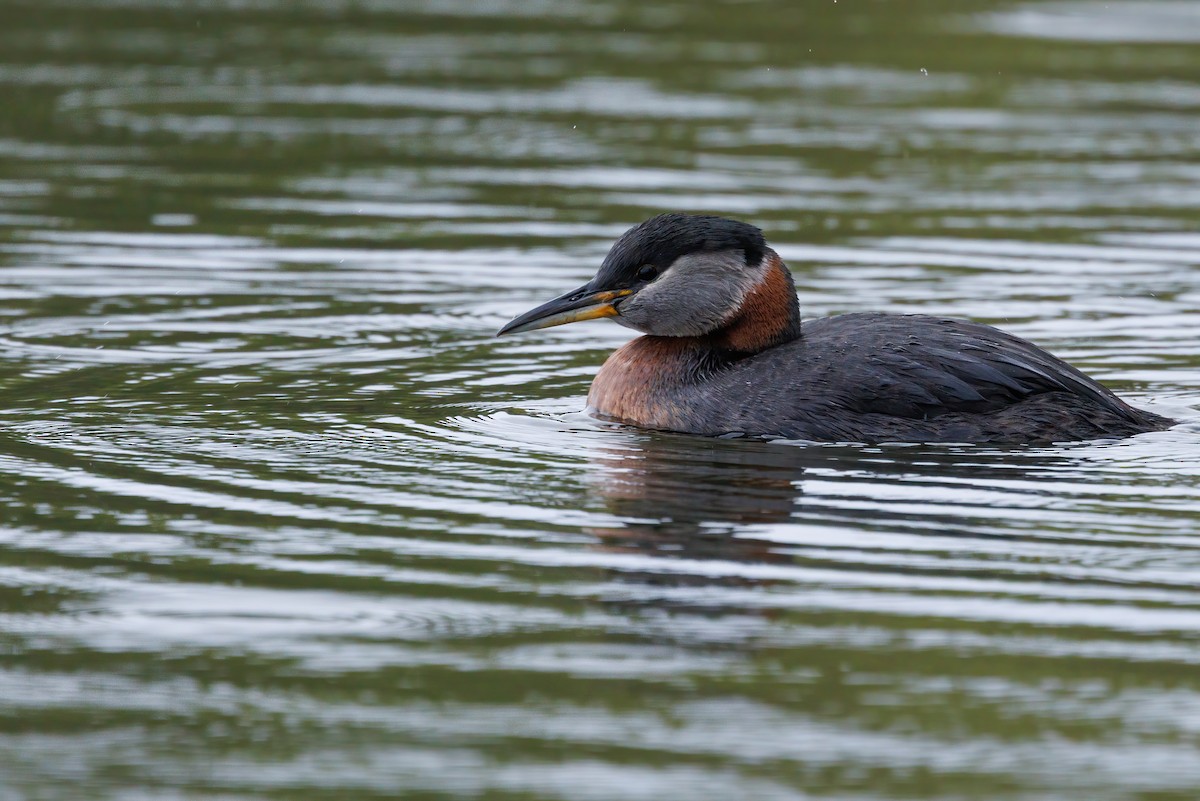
(1088, 21)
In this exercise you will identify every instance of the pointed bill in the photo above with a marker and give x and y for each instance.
(579, 304)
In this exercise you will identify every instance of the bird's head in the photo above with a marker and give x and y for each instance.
(672, 275)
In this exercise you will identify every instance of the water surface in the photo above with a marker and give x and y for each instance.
(282, 519)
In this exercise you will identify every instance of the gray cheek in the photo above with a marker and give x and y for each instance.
(697, 294)
(654, 311)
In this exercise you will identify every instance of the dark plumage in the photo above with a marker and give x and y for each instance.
(729, 354)
(662, 239)
(877, 377)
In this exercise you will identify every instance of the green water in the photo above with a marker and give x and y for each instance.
(282, 520)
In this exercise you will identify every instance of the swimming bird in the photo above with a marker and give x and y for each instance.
(726, 353)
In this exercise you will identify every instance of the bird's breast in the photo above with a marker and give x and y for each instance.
(645, 382)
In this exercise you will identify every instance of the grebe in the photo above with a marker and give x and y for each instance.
(726, 353)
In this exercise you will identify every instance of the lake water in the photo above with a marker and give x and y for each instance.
(283, 520)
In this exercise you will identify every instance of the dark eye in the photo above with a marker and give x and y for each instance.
(647, 272)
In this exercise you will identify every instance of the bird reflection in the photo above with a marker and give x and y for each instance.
(706, 499)
(698, 498)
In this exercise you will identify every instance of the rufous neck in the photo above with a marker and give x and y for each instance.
(769, 314)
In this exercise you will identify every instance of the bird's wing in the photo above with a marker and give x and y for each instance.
(916, 366)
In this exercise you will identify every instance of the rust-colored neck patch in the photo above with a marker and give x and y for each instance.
(769, 315)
